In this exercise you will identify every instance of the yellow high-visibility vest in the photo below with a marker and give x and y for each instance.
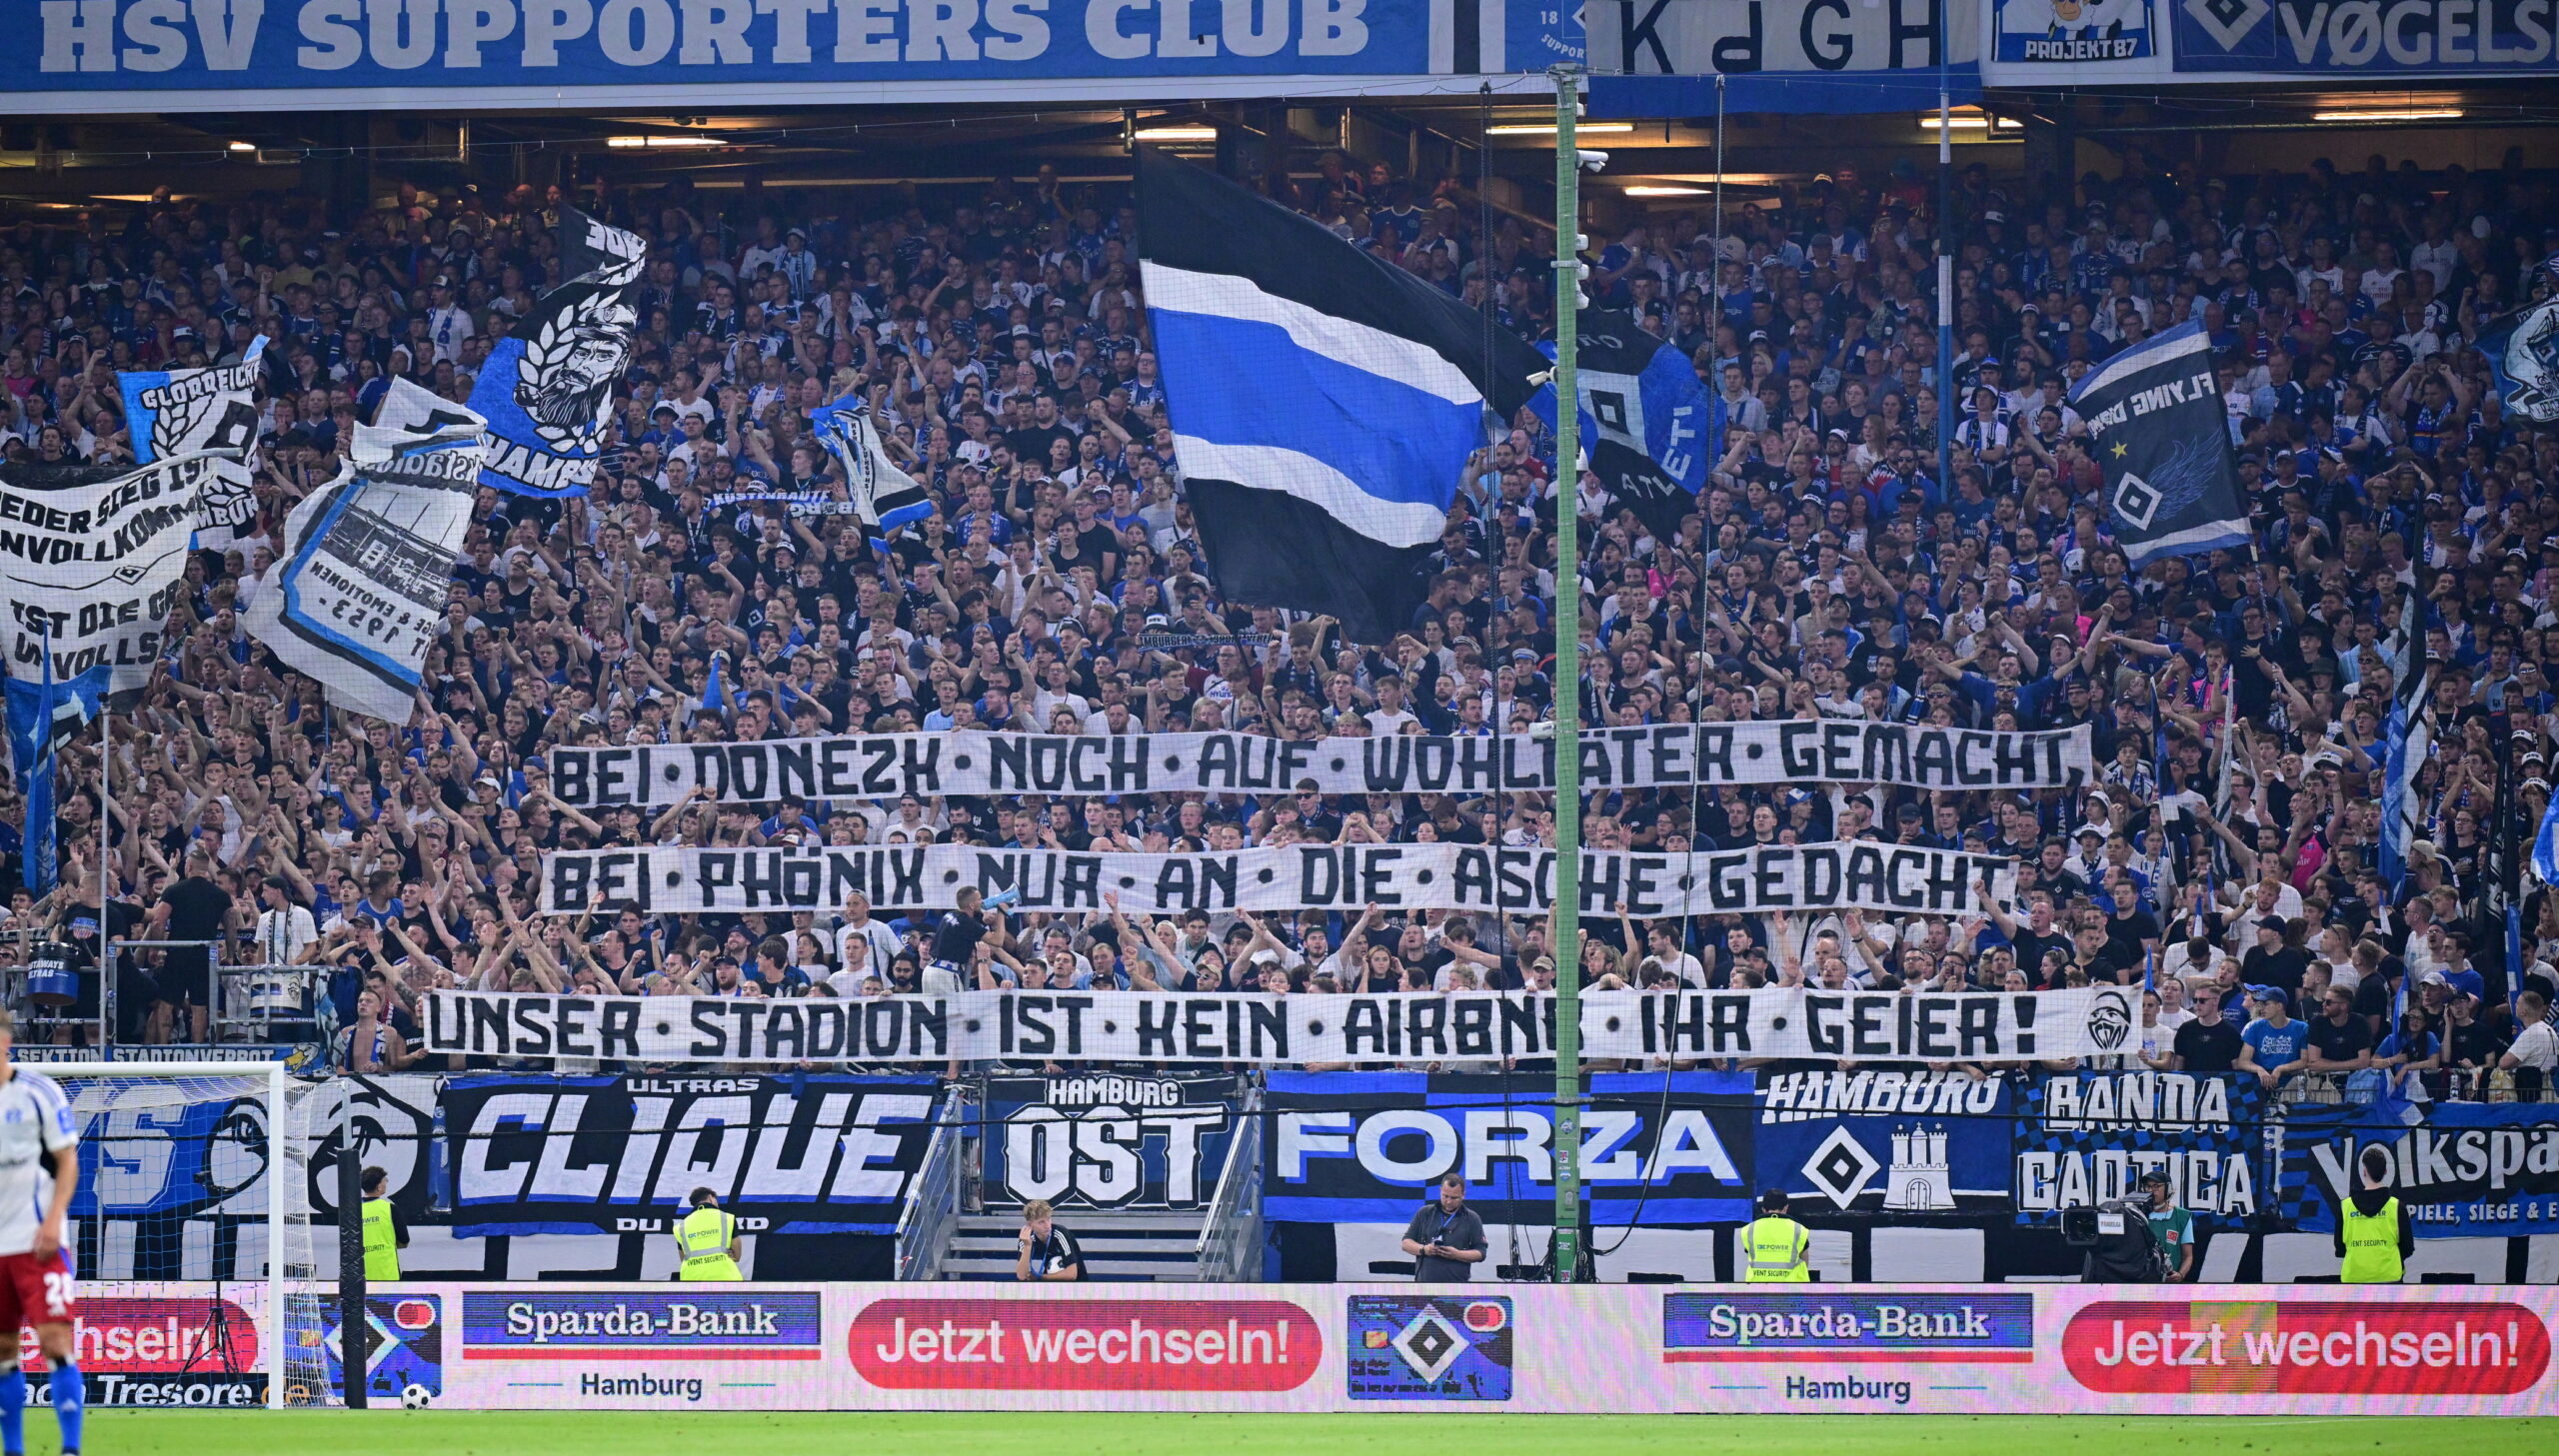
(704, 1239)
(2372, 1245)
(1773, 1250)
(381, 1242)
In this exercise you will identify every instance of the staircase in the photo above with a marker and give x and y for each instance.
(1139, 1247)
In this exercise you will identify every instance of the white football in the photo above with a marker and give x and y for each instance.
(416, 1397)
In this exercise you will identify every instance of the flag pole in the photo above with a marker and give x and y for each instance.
(1568, 686)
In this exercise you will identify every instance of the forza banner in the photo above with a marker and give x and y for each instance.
(1658, 1148)
(2156, 423)
(1885, 1144)
(2460, 1168)
(1106, 1141)
(866, 766)
(368, 564)
(2087, 1139)
(169, 413)
(545, 388)
(587, 1154)
(1159, 1027)
(1844, 874)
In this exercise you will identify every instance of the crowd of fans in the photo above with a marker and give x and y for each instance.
(2226, 856)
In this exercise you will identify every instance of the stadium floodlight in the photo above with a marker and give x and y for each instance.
(2432, 113)
(1547, 128)
(659, 143)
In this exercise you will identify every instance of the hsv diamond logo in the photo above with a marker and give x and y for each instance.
(1422, 1348)
(2229, 21)
(1842, 1167)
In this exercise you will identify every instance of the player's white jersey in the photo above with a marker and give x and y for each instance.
(35, 1118)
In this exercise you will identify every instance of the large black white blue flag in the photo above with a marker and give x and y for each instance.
(368, 558)
(1649, 430)
(546, 389)
(884, 497)
(1324, 402)
(191, 411)
(2157, 420)
(2523, 352)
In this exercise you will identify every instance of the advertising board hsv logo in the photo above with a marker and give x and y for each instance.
(1428, 1347)
(1868, 1328)
(1054, 1343)
(766, 1324)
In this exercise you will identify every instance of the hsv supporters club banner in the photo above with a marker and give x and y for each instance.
(802, 1154)
(875, 766)
(1280, 1030)
(2156, 423)
(2086, 1140)
(1106, 1141)
(368, 563)
(1846, 874)
(1370, 1147)
(2461, 1169)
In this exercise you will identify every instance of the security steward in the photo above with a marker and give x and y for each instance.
(1774, 1248)
(2375, 1236)
(707, 1240)
(384, 1238)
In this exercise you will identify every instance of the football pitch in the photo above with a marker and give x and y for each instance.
(741, 1433)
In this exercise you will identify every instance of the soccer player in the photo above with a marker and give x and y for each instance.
(35, 1269)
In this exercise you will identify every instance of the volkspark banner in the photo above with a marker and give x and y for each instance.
(170, 413)
(587, 1154)
(1670, 756)
(1282, 1030)
(1842, 875)
(368, 563)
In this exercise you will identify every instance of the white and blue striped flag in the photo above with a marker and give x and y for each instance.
(1324, 402)
(2407, 739)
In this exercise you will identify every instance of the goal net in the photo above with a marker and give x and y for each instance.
(190, 1236)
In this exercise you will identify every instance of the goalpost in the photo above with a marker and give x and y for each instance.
(194, 1204)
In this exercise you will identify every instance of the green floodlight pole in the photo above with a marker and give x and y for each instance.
(1568, 911)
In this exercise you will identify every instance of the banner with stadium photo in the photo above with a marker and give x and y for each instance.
(1885, 1144)
(866, 767)
(2160, 433)
(1846, 874)
(1260, 1030)
(546, 389)
(2090, 1138)
(368, 558)
(1658, 1148)
(1122, 1142)
(170, 413)
(586, 1154)
(2462, 1170)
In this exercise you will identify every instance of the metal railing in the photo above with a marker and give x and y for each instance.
(1231, 1233)
(253, 1004)
(924, 1225)
(2450, 1084)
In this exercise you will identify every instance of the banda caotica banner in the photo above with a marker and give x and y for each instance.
(870, 767)
(1278, 1030)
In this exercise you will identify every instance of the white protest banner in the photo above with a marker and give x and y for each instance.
(1670, 756)
(90, 565)
(368, 563)
(1842, 875)
(1284, 1030)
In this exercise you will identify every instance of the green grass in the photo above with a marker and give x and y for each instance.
(746, 1433)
